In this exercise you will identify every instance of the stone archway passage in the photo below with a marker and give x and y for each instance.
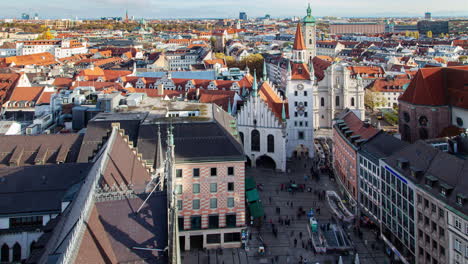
(265, 161)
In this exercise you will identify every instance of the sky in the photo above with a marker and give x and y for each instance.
(229, 8)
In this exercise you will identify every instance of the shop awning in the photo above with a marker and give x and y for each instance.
(252, 195)
(256, 209)
(250, 184)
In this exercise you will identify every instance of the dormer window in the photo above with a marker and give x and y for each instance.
(460, 199)
(430, 180)
(445, 189)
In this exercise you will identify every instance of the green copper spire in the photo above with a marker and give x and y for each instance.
(283, 113)
(289, 68)
(309, 18)
(254, 85)
(264, 71)
(229, 106)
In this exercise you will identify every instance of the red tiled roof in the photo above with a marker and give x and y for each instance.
(369, 70)
(357, 126)
(44, 58)
(218, 97)
(390, 85)
(63, 82)
(300, 71)
(26, 94)
(320, 66)
(44, 98)
(438, 86)
(299, 39)
(274, 102)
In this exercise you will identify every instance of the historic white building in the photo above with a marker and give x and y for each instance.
(338, 90)
(299, 91)
(262, 125)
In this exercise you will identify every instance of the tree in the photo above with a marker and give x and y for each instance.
(429, 34)
(374, 99)
(213, 42)
(463, 58)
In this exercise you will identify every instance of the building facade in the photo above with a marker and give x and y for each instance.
(299, 92)
(432, 103)
(349, 133)
(262, 126)
(355, 28)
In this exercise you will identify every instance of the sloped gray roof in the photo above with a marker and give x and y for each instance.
(38, 188)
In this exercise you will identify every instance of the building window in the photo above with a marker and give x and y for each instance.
(180, 205)
(271, 143)
(406, 117)
(196, 172)
(28, 221)
(352, 101)
(231, 220)
(16, 252)
(230, 186)
(213, 203)
(213, 187)
(322, 101)
(195, 222)
(179, 173)
(295, 93)
(213, 238)
(5, 253)
(300, 135)
(196, 188)
(230, 171)
(458, 223)
(213, 221)
(305, 114)
(255, 144)
(337, 101)
(241, 135)
(213, 171)
(196, 204)
(230, 202)
(459, 122)
(180, 223)
(232, 237)
(178, 189)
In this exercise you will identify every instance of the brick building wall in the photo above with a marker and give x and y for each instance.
(344, 159)
(422, 122)
(205, 194)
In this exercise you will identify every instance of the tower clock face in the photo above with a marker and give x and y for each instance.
(300, 86)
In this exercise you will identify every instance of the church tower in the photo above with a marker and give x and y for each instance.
(309, 35)
(299, 92)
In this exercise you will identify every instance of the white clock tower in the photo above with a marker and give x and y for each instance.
(299, 91)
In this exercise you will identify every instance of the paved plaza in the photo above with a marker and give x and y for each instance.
(282, 248)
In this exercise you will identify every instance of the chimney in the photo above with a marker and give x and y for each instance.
(161, 89)
(197, 93)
